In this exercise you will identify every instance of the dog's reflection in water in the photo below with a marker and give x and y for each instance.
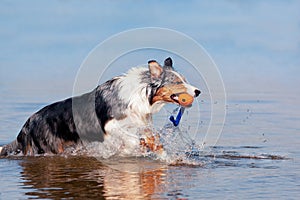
(58, 177)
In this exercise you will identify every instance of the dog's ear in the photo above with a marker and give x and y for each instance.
(155, 69)
(168, 64)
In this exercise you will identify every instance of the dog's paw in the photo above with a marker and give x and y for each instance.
(151, 144)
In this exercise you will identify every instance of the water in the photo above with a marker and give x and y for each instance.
(256, 157)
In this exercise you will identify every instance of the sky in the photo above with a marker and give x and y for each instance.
(255, 44)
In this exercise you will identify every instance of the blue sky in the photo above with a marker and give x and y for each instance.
(255, 44)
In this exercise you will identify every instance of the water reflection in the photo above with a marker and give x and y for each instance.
(80, 177)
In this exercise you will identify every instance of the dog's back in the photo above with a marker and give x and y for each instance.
(126, 102)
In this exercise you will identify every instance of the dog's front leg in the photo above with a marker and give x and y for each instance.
(151, 142)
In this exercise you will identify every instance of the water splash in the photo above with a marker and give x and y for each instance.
(180, 148)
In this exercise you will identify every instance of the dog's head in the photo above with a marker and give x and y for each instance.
(169, 86)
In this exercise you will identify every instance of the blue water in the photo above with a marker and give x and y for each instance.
(256, 157)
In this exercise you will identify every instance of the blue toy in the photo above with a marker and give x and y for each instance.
(177, 120)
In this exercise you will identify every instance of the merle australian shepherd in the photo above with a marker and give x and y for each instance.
(120, 107)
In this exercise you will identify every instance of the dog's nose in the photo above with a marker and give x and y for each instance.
(197, 92)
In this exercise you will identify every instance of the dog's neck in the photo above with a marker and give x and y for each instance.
(135, 92)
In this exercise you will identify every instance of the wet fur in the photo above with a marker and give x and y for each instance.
(124, 101)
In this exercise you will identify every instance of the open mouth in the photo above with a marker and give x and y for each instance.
(183, 99)
(174, 97)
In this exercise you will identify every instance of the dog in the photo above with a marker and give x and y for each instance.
(118, 108)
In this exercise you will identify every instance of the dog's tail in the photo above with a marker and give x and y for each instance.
(9, 149)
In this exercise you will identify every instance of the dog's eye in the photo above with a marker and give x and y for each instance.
(178, 82)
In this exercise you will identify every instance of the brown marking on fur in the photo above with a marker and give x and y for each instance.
(28, 150)
(151, 142)
(60, 147)
(164, 94)
(64, 145)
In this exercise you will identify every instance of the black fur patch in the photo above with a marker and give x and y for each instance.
(108, 103)
(53, 128)
(48, 129)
